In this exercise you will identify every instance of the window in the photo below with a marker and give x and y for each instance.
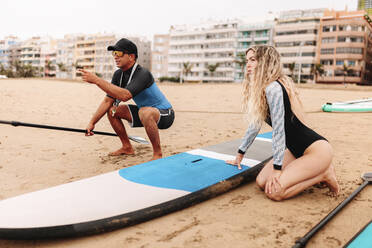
(342, 27)
(329, 28)
(328, 40)
(339, 62)
(339, 73)
(326, 61)
(341, 39)
(356, 39)
(327, 51)
(352, 50)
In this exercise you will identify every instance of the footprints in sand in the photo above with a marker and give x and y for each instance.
(174, 234)
(237, 200)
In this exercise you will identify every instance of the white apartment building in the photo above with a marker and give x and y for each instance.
(40, 52)
(144, 51)
(250, 34)
(207, 49)
(296, 34)
(90, 52)
(159, 57)
(65, 56)
(7, 50)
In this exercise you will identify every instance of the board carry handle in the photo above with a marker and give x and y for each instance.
(17, 123)
(367, 177)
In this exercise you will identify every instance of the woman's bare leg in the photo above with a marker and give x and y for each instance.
(313, 167)
(268, 169)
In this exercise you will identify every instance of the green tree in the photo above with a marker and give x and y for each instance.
(291, 68)
(347, 71)
(62, 67)
(186, 68)
(212, 68)
(241, 61)
(317, 70)
(49, 66)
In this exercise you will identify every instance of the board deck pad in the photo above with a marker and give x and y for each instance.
(131, 195)
(363, 239)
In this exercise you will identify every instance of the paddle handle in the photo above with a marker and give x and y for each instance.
(17, 123)
(302, 241)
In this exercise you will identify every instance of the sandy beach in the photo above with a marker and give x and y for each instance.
(206, 114)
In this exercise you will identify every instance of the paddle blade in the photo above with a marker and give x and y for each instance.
(367, 177)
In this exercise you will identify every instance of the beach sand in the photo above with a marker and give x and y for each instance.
(206, 114)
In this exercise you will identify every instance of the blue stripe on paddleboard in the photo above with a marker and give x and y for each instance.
(268, 135)
(182, 171)
(363, 240)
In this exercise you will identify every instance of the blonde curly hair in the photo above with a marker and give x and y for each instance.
(268, 70)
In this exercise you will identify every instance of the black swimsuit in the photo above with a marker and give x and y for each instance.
(288, 130)
(298, 136)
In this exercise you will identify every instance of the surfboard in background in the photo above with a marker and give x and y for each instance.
(362, 105)
(131, 195)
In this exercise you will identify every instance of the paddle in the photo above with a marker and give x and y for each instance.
(367, 177)
(17, 123)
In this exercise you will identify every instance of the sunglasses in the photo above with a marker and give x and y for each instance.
(118, 53)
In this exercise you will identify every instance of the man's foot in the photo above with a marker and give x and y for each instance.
(331, 181)
(122, 151)
(156, 156)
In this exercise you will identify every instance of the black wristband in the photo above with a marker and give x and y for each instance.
(241, 152)
(277, 167)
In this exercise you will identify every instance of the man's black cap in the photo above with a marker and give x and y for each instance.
(124, 45)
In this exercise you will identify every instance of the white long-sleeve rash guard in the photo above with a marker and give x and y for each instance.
(274, 98)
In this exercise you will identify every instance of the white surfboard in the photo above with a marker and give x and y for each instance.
(130, 195)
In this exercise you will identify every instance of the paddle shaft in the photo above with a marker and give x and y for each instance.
(17, 123)
(303, 241)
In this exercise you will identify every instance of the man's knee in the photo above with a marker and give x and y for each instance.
(147, 114)
(110, 112)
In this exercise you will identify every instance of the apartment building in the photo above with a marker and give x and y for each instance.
(159, 57)
(40, 53)
(144, 51)
(90, 52)
(7, 46)
(204, 52)
(345, 47)
(296, 35)
(65, 56)
(250, 34)
(365, 5)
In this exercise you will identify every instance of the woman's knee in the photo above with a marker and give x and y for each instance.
(276, 196)
(260, 181)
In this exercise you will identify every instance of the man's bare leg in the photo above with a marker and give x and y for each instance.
(122, 112)
(149, 117)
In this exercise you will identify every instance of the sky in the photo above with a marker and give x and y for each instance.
(28, 18)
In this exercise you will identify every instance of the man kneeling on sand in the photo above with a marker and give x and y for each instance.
(131, 81)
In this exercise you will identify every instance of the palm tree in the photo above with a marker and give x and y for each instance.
(241, 61)
(62, 67)
(49, 67)
(347, 71)
(187, 66)
(212, 68)
(317, 70)
(291, 68)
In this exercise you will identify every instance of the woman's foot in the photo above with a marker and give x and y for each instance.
(331, 181)
(122, 151)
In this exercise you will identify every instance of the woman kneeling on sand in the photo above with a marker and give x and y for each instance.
(301, 157)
